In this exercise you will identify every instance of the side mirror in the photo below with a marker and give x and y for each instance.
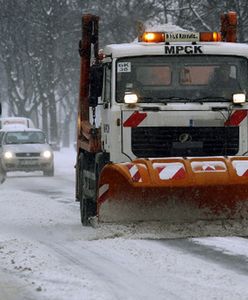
(96, 82)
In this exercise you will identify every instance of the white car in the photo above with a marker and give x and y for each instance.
(25, 149)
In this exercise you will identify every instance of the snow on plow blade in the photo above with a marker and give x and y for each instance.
(174, 190)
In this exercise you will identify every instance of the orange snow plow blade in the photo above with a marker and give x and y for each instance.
(174, 190)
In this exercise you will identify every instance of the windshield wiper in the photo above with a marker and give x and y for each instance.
(163, 99)
(182, 99)
(200, 100)
(212, 98)
(148, 99)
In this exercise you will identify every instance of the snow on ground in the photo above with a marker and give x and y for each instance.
(45, 253)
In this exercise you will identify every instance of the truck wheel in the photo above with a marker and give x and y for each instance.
(78, 180)
(86, 187)
(87, 209)
(83, 212)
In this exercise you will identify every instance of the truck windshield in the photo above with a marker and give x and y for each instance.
(181, 78)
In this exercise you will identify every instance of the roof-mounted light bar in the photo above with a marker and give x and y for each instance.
(153, 37)
(183, 36)
(210, 36)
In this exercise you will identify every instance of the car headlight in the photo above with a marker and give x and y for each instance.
(8, 155)
(47, 154)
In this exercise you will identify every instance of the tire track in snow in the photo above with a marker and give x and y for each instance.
(211, 253)
(122, 283)
(106, 274)
(13, 290)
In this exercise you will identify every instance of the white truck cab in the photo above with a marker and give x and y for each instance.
(175, 99)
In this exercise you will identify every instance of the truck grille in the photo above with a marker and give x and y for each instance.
(185, 141)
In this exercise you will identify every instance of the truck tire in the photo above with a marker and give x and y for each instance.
(86, 187)
(77, 179)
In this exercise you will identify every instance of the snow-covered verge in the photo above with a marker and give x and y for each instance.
(45, 253)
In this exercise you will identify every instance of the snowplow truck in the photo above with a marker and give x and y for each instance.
(162, 127)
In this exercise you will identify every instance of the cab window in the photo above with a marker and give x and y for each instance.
(107, 83)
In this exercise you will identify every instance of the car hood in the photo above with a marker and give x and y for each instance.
(20, 148)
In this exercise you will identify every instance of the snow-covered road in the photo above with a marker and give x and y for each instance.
(46, 254)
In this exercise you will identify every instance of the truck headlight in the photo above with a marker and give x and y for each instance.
(8, 155)
(130, 98)
(239, 98)
(47, 154)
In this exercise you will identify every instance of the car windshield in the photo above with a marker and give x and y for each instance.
(24, 137)
(182, 78)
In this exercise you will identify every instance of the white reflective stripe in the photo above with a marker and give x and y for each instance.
(168, 170)
(241, 167)
(103, 189)
(208, 166)
(134, 172)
